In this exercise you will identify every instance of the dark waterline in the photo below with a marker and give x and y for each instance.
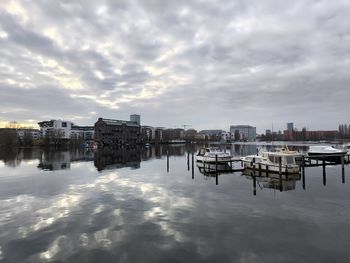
(122, 205)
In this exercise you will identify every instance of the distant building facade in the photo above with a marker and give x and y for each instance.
(56, 128)
(147, 133)
(32, 133)
(158, 134)
(82, 132)
(216, 135)
(117, 132)
(173, 134)
(305, 135)
(135, 118)
(65, 130)
(290, 126)
(190, 134)
(243, 132)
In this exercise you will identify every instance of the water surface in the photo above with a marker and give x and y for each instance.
(121, 205)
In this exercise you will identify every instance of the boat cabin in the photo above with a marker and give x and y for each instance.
(275, 158)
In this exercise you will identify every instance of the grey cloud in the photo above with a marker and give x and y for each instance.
(242, 61)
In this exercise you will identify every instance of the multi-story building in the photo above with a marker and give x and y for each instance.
(173, 134)
(148, 133)
(117, 132)
(32, 133)
(290, 126)
(216, 135)
(56, 129)
(82, 132)
(158, 134)
(190, 134)
(305, 135)
(65, 130)
(135, 118)
(243, 132)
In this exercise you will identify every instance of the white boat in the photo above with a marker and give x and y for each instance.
(329, 153)
(270, 161)
(346, 147)
(211, 155)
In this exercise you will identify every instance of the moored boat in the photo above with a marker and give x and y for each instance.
(328, 153)
(212, 155)
(273, 162)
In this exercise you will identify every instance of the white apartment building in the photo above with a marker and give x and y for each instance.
(56, 128)
(66, 130)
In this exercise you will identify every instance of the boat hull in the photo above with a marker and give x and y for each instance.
(271, 168)
(334, 158)
(212, 159)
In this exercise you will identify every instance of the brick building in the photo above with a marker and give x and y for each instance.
(117, 132)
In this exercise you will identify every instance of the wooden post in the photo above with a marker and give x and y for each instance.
(303, 170)
(192, 166)
(324, 169)
(167, 161)
(188, 160)
(217, 179)
(259, 169)
(253, 164)
(254, 184)
(267, 170)
(280, 172)
(216, 163)
(343, 168)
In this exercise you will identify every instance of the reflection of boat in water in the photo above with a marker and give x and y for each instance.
(329, 153)
(274, 181)
(212, 155)
(212, 168)
(273, 161)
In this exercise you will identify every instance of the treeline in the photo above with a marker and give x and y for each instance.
(344, 131)
(9, 138)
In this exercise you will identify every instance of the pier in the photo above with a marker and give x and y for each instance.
(234, 165)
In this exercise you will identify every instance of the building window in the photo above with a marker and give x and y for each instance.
(64, 124)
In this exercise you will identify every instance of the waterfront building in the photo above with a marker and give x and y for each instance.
(158, 134)
(56, 129)
(190, 134)
(243, 132)
(82, 132)
(216, 135)
(147, 133)
(290, 126)
(305, 135)
(117, 132)
(173, 134)
(65, 130)
(32, 133)
(135, 118)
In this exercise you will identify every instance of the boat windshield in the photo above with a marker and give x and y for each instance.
(289, 160)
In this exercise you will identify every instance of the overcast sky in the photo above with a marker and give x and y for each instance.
(208, 64)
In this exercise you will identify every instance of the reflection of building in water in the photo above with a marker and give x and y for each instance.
(55, 160)
(13, 157)
(61, 159)
(115, 158)
(243, 150)
(273, 181)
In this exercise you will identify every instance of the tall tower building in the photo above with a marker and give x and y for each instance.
(290, 126)
(135, 118)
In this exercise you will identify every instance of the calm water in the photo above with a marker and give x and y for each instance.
(123, 206)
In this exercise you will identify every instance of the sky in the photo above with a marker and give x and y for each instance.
(206, 64)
